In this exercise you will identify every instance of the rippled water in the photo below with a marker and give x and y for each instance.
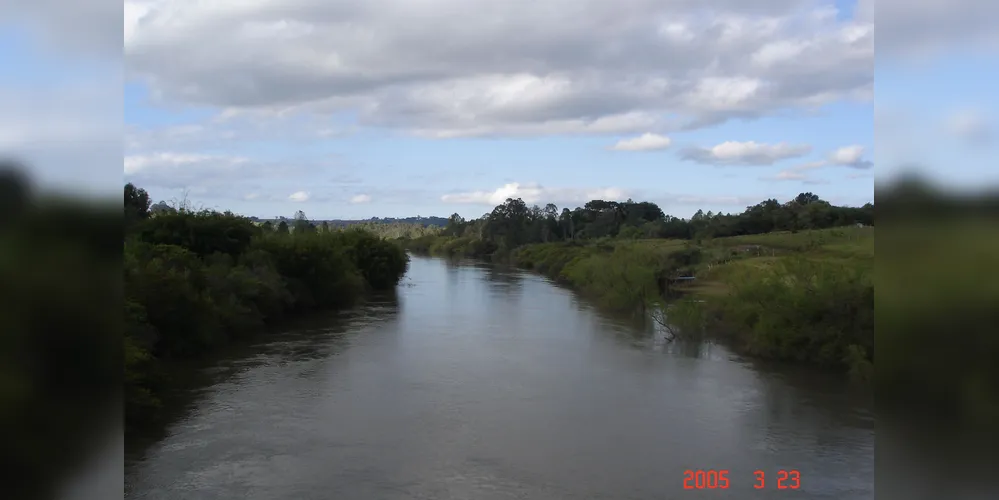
(477, 382)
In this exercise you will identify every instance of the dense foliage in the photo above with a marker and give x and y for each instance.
(194, 280)
(396, 230)
(514, 223)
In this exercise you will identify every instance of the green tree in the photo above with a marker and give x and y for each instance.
(302, 223)
(136, 204)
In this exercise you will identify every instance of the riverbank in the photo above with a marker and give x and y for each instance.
(195, 280)
(805, 297)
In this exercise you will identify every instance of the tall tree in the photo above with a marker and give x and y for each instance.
(302, 224)
(136, 203)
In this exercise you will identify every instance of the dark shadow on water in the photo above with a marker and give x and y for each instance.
(504, 278)
(316, 336)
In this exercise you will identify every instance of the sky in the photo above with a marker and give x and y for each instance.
(396, 108)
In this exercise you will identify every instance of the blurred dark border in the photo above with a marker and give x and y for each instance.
(60, 314)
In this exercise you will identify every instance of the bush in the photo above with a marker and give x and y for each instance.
(382, 263)
(808, 311)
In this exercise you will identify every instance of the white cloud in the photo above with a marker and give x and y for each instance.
(589, 66)
(534, 193)
(779, 52)
(720, 94)
(677, 32)
(299, 196)
(745, 153)
(136, 164)
(184, 170)
(790, 175)
(850, 156)
(847, 155)
(360, 198)
(644, 142)
(812, 165)
(220, 175)
(740, 201)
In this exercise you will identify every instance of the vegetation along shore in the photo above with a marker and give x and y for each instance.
(196, 279)
(785, 281)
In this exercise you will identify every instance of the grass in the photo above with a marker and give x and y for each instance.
(803, 297)
(722, 259)
(851, 247)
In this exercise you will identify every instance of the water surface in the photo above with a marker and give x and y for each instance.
(478, 382)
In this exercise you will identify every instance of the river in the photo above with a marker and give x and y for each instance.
(476, 382)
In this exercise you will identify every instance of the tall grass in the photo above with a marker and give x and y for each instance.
(810, 311)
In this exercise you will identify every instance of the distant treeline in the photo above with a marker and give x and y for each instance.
(514, 223)
(338, 223)
(194, 279)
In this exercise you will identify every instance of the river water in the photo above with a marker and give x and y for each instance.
(479, 382)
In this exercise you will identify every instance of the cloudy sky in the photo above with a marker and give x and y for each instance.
(362, 108)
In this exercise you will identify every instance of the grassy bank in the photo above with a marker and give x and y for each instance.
(806, 297)
(195, 280)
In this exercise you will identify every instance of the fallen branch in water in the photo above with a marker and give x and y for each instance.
(659, 316)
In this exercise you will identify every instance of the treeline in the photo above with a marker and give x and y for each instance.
(396, 230)
(195, 279)
(385, 228)
(514, 223)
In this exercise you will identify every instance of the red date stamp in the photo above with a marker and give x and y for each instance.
(718, 479)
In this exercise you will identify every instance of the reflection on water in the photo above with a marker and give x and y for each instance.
(484, 382)
(305, 344)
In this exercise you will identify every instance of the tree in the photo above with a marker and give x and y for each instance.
(282, 227)
(302, 224)
(566, 224)
(806, 198)
(455, 225)
(136, 203)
